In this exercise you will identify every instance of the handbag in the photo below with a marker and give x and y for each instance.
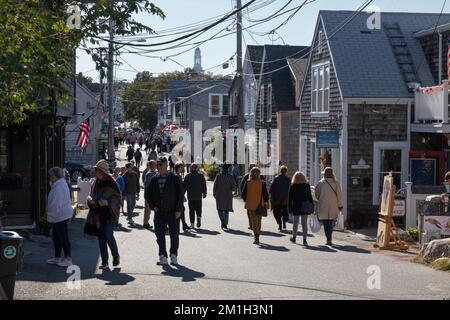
(261, 210)
(307, 207)
(314, 223)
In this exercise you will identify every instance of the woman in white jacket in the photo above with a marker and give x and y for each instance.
(59, 212)
(329, 194)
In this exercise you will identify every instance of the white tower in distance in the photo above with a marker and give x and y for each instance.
(198, 61)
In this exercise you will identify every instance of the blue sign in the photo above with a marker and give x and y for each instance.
(327, 139)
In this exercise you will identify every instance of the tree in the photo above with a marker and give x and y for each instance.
(36, 49)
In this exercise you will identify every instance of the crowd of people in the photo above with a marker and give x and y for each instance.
(169, 192)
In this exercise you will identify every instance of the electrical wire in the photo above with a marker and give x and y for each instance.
(182, 37)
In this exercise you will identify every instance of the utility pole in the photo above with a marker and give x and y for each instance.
(111, 153)
(239, 73)
(102, 95)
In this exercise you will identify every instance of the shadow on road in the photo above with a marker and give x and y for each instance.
(190, 234)
(272, 234)
(266, 246)
(351, 249)
(122, 229)
(237, 232)
(115, 277)
(320, 248)
(208, 232)
(183, 272)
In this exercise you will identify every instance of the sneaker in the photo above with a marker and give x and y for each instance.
(192, 225)
(284, 225)
(65, 263)
(329, 243)
(173, 260)
(225, 226)
(147, 226)
(162, 260)
(54, 261)
(292, 239)
(305, 243)
(103, 266)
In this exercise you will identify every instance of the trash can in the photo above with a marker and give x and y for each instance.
(10, 258)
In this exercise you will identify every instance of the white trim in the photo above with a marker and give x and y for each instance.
(430, 127)
(303, 153)
(344, 157)
(269, 103)
(377, 146)
(321, 87)
(220, 95)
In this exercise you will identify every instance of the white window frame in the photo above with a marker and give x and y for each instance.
(220, 104)
(320, 42)
(314, 168)
(324, 87)
(269, 103)
(261, 103)
(388, 145)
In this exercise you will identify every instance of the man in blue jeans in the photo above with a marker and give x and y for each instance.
(165, 197)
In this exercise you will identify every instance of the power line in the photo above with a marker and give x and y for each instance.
(185, 36)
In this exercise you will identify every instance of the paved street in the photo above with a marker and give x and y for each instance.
(226, 265)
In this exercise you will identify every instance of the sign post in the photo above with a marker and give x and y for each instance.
(387, 235)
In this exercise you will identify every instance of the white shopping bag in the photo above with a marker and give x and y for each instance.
(314, 223)
(339, 222)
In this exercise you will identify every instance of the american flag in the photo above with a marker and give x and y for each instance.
(83, 136)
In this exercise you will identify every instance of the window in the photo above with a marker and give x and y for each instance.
(320, 41)
(218, 105)
(261, 103)
(269, 103)
(320, 100)
(226, 106)
(390, 160)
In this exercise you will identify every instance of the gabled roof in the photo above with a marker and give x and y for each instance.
(364, 60)
(298, 67)
(276, 67)
(255, 55)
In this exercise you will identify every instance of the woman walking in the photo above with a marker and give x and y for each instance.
(223, 193)
(59, 212)
(328, 193)
(104, 205)
(279, 197)
(300, 204)
(255, 196)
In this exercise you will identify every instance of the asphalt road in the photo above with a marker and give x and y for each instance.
(226, 265)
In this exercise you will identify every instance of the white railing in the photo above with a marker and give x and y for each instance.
(431, 104)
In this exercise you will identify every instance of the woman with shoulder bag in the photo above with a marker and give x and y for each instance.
(300, 204)
(256, 200)
(328, 193)
(104, 205)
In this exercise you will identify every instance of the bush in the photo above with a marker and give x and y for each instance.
(413, 233)
(212, 171)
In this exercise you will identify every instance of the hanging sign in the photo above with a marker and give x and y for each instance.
(327, 139)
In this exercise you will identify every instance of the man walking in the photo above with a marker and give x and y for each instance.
(153, 155)
(165, 197)
(138, 158)
(147, 177)
(195, 185)
(130, 153)
(132, 188)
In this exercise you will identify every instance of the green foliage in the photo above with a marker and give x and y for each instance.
(413, 233)
(212, 171)
(36, 49)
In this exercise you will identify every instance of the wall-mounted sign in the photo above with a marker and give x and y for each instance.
(327, 139)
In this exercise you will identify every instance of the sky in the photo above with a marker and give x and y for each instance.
(298, 31)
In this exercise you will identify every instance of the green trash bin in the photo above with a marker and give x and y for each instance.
(10, 259)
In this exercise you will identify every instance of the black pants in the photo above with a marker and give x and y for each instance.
(195, 209)
(162, 221)
(183, 219)
(61, 239)
(328, 226)
(281, 214)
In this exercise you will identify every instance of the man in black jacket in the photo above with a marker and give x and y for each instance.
(195, 185)
(165, 197)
